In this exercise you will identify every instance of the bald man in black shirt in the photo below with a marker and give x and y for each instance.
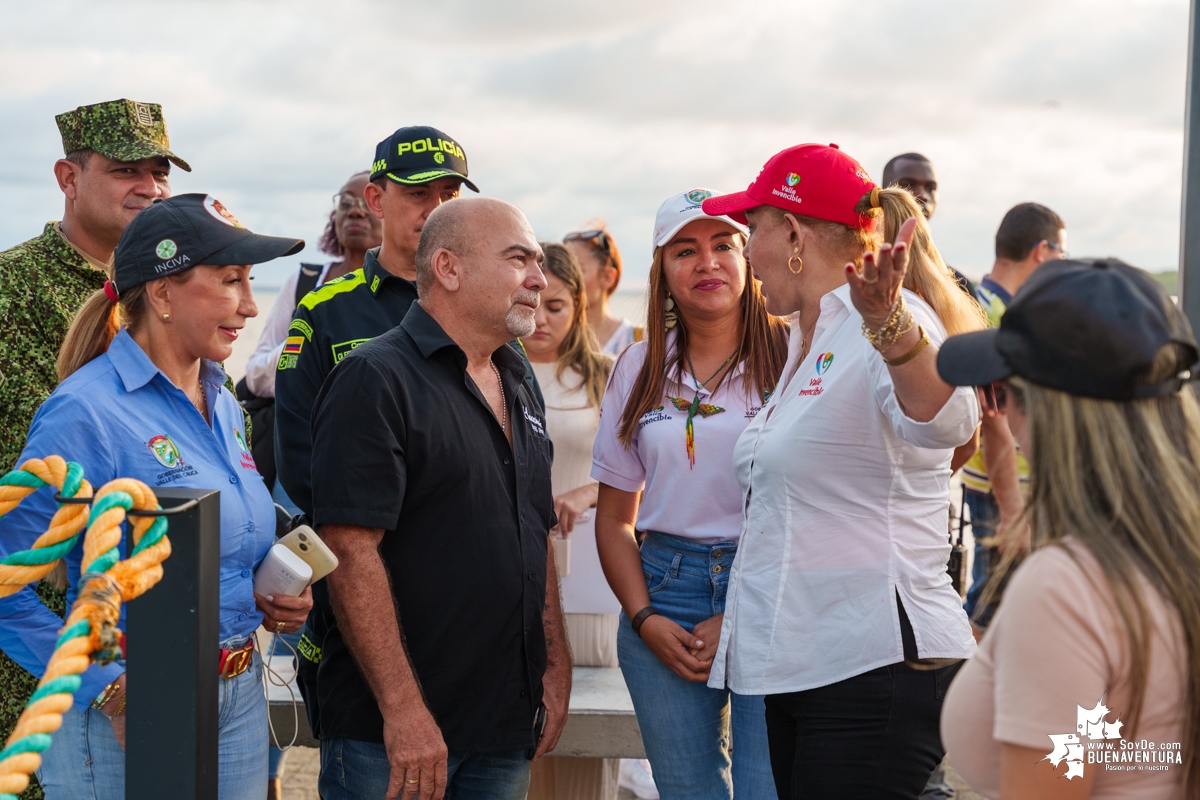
(446, 668)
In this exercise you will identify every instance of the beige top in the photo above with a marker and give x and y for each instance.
(571, 424)
(1054, 650)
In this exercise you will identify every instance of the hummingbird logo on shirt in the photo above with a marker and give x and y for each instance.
(693, 408)
(824, 361)
(241, 440)
(166, 451)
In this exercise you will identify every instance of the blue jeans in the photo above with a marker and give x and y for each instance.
(687, 728)
(985, 516)
(86, 763)
(354, 770)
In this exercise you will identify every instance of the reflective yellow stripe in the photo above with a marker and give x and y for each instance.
(341, 285)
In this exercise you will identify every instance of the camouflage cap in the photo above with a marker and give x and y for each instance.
(122, 130)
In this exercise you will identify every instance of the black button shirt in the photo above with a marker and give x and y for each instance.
(420, 454)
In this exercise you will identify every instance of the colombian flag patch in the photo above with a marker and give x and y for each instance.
(293, 344)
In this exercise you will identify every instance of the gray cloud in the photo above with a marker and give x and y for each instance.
(587, 109)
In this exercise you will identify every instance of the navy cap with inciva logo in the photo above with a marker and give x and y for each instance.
(420, 154)
(184, 232)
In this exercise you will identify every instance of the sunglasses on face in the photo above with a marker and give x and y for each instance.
(996, 397)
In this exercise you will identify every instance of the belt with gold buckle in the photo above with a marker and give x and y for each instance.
(235, 662)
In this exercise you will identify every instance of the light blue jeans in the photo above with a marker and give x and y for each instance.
(354, 770)
(688, 729)
(86, 763)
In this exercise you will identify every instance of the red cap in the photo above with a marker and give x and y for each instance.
(811, 179)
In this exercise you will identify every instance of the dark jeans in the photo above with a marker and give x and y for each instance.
(872, 736)
(353, 770)
(985, 516)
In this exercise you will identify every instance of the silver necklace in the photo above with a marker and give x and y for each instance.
(503, 400)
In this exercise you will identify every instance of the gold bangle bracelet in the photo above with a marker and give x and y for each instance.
(911, 354)
(109, 693)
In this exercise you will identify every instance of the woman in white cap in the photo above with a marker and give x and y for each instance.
(675, 405)
(142, 397)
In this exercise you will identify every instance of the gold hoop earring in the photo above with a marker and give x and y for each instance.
(671, 318)
(166, 317)
(800, 263)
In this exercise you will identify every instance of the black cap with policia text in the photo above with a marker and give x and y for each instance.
(420, 154)
(184, 232)
(1085, 327)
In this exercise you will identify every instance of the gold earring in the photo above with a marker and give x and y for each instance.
(795, 257)
(671, 317)
(166, 317)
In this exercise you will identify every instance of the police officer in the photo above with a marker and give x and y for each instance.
(117, 161)
(416, 169)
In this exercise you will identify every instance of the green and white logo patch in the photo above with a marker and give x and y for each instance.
(166, 249)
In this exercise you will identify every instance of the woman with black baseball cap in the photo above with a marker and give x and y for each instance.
(1097, 644)
(141, 396)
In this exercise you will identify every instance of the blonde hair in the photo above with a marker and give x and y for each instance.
(579, 349)
(762, 345)
(1120, 478)
(928, 276)
(99, 320)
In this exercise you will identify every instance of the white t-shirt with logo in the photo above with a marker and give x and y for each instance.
(690, 494)
(846, 501)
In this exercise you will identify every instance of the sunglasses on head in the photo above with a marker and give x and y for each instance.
(596, 237)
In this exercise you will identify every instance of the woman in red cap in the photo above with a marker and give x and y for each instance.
(839, 607)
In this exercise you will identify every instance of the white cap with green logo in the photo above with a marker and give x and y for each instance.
(678, 210)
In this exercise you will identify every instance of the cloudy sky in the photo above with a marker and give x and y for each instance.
(578, 110)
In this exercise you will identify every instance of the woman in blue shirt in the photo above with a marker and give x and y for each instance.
(141, 396)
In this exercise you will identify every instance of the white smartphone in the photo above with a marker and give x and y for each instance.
(304, 542)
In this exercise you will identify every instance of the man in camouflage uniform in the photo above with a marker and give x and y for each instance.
(117, 161)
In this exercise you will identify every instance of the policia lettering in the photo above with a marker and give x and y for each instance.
(425, 145)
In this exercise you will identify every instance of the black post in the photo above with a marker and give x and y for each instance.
(173, 630)
(1189, 233)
